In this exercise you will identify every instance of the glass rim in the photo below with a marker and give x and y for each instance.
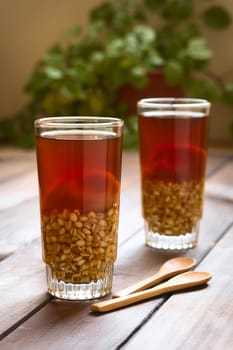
(173, 102)
(78, 121)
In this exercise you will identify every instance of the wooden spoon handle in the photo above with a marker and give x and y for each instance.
(126, 300)
(167, 270)
(179, 282)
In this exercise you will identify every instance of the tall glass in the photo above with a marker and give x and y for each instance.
(173, 149)
(79, 169)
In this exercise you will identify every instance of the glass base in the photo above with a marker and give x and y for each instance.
(172, 242)
(79, 291)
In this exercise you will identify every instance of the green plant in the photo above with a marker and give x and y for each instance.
(122, 42)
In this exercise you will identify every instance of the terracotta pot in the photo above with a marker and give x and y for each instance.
(156, 87)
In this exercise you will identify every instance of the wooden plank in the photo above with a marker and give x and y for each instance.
(18, 189)
(130, 213)
(15, 165)
(69, 324)
(22, 284)
(200, 319)
(221, 184)
(19, 226)
(7, 153)
(130, 169)
(215, 162)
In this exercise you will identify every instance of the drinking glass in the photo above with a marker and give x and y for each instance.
(79, 170)
(173, 150)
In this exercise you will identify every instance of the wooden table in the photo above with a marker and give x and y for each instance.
(195, 319)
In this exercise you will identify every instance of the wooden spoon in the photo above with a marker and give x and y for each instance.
(182, 281)
(170, 268)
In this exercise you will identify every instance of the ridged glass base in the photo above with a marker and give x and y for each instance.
(79, 291)
(172, 242)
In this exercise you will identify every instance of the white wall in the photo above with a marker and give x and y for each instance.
(28, 28)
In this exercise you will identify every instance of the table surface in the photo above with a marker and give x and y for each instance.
(195, 319)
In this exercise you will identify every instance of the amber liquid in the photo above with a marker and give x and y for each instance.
(173, 148)
(173, 162)
(78, 172)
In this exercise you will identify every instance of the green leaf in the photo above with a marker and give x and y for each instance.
(54, 56)
(75, 31)
(114, 48)
(175, 10)
(228, 93)
(131, 44)
(138, 77)
(155, 60)
(97, 57)
(53, 73)
(197, 49)
(104, 11)
(97, 103)
(155, 6)
(217, 17)
(145, 34)
(173, 71)
(130, 140)
(6, 130)
(203, 88)
(67, 93)
(38, 84)
(94, 28)
(138, 71)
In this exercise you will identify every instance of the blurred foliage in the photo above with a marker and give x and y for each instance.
(123, 40)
